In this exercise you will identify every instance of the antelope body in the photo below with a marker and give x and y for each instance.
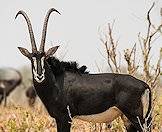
(68, 91)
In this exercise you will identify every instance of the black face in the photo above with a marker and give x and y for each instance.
(37, 60)
(38, 69)
(38, 57)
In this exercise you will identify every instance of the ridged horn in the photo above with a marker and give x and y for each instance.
(45, 28)
(34, 48)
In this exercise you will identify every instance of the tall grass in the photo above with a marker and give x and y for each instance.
(19, 119)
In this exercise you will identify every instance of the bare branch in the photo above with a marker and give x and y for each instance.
(129, 55)
(149, 21)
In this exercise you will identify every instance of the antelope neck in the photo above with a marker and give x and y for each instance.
(47, 90)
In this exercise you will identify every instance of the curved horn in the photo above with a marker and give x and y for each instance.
(34, 48)
(45, 28)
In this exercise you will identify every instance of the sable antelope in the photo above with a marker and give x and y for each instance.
(67, 93)
(9, 80)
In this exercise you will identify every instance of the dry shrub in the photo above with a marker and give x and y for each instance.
(150, 73)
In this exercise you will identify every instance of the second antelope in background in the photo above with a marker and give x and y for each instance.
(68, 91)
(9, 79)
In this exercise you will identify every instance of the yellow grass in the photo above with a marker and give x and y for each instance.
(19, 119)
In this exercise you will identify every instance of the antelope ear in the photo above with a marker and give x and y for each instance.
(51, 51)
(24, 51)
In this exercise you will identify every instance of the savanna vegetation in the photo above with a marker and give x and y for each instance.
(22, 118)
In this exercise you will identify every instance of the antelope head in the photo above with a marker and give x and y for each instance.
(38, 57)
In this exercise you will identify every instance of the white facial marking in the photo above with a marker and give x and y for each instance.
(42, 62)
(37, 77)
(35, 62)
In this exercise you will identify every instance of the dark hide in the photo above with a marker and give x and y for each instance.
(58, 68)
(87, 94)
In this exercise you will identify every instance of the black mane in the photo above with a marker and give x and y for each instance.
(59, 67)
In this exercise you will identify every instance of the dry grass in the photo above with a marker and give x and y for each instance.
(19, 119)
(158, 118)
